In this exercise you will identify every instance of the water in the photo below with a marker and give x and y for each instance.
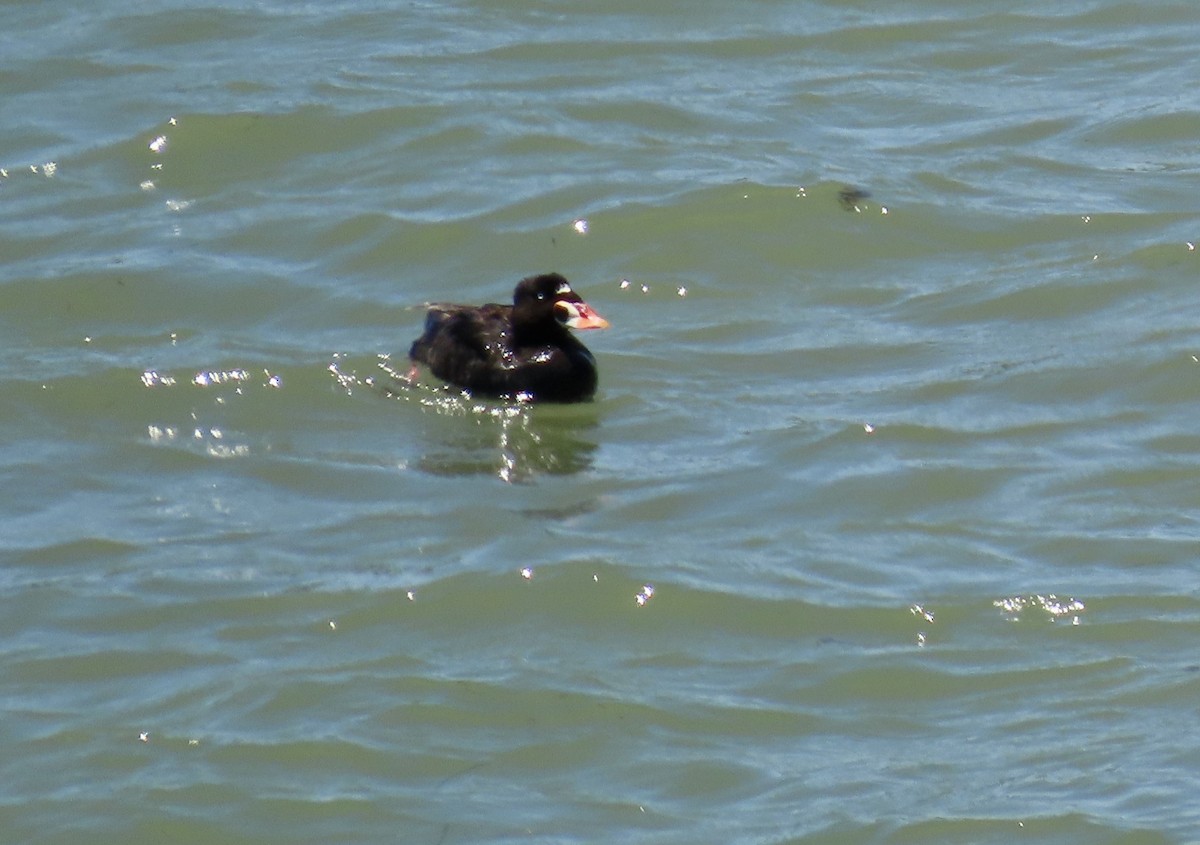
(882, 528)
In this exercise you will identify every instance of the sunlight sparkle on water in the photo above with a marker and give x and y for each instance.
(159, 433)
(207, 378)
(1054, 607)
(151, 378)
(918, 610)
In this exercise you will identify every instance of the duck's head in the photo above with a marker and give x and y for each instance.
(550, 297)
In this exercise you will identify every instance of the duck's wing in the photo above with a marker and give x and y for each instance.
(466, 345)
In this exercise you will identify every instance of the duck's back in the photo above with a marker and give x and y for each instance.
(465, 345)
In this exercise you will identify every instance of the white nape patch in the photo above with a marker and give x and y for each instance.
(563, 288)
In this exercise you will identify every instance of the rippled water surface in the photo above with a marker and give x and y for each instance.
(882, 528)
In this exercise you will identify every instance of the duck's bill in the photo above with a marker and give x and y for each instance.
(580, 315)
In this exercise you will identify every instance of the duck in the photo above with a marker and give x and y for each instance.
(524, 351)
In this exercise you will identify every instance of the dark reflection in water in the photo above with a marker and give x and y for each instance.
(851, 198)
(514, 441)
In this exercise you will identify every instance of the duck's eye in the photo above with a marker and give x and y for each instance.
(541, 295)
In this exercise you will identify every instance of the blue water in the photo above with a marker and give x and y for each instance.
(882, 527)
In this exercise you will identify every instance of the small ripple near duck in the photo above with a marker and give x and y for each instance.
(521, 351)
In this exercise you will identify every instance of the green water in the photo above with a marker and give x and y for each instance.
(882, 527)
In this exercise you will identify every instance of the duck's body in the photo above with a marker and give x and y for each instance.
(524, 350)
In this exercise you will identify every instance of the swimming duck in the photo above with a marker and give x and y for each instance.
(522, 351)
